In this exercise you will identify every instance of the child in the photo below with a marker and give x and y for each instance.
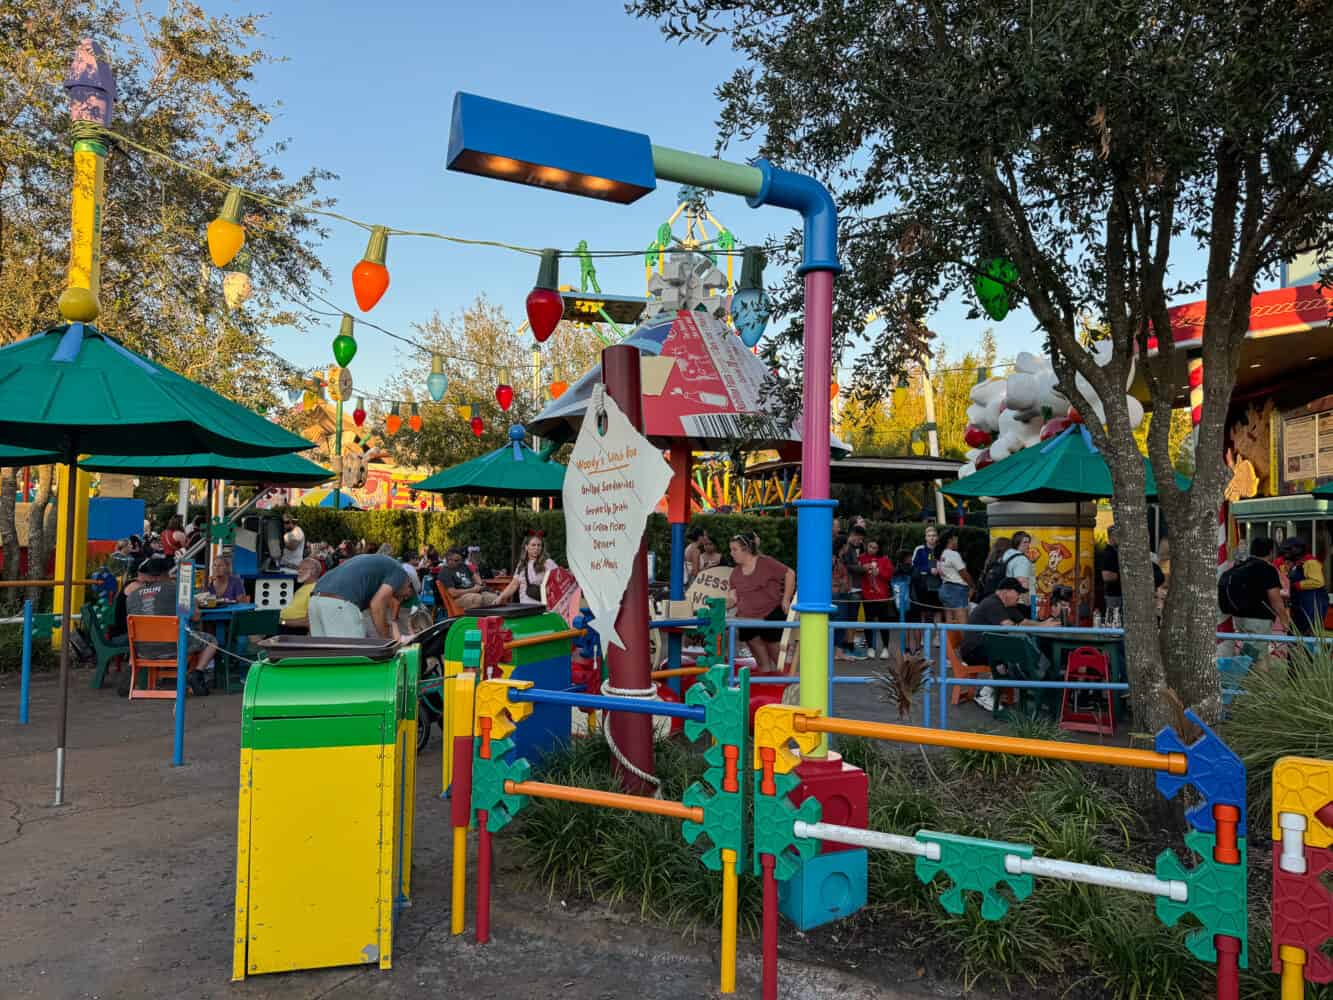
(876, 594)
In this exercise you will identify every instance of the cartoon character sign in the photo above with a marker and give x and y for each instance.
(1052, 552)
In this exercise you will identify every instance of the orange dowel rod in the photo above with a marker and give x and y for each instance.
(1150, 760)
(611, 800)
(46, 583)
(537, 640)
(661, 675)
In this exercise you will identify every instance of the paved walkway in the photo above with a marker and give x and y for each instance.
(127, 891)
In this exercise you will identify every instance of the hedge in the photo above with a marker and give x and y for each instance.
(489, 527)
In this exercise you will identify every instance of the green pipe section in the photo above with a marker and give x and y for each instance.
(814, 654)
(706, 172)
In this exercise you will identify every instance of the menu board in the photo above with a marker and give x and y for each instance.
(1300, 455)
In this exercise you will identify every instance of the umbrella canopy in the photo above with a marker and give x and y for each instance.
(276, 470)
(701, 385)
(512, 471)
(1066, 468)
(1324, 491)
(75, 389)
(330, 499)
(13, 457)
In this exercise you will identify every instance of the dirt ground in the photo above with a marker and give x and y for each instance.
(128, 889)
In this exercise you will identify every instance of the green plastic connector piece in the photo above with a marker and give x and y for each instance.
(222, 530)
(725, 714)
(974, 865)
(488, 784)
(775, 826)
(1216, 897)
(714, 631)
(472, 649)
(43, 625)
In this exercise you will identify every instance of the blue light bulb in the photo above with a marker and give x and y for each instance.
(750, 310)
(436, 383)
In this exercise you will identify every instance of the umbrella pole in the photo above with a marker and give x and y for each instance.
(513, 534)
(66, 583)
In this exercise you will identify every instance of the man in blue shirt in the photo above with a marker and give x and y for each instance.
(374, 583)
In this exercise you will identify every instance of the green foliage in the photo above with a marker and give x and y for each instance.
(490, 527)
(1284, 711)
(1001, 765)
(11, 651)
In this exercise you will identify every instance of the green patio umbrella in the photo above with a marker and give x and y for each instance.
(1067, 468)
(73, 389)
(18, 457)
(513, 471)
(1324, 491)
(274, 470)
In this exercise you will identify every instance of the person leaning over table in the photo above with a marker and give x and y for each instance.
(297, 611)
(1007, 606)
(371, 583)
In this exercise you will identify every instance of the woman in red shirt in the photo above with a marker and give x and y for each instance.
(761, 588)
(877, 593)
(173, 537)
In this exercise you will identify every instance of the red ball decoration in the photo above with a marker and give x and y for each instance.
(478, 425)
(1054, 427)
(976, 437)
(984, 459)
(545, 308)
(504, 395)
(1074, 416)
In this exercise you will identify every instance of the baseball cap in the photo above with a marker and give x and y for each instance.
(156, 566)
(411, 572)
(1010, 583)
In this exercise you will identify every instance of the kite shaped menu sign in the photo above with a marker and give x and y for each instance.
(614, 480)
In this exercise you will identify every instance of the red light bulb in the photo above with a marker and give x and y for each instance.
(370, 278)
(504, 395)
(478, 425)
(359, 414)
(545, 308)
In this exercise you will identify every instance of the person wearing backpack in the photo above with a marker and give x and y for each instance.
(1251, 592)
(993, 571)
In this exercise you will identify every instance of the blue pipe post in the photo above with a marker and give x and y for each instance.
(942, 663)
(635, 706)
(677, 593)
(25, 672)
(184, 607)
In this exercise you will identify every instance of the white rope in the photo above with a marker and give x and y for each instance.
(212, 640)
(647, 694)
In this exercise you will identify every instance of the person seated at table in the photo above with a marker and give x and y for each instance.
(156, 595)
(370, 583)
(462, 586)
(1062, 605)
(297, 612)
(223, 584)
(761, 589)
(530, 574)
(1007, 606)
(428, 559)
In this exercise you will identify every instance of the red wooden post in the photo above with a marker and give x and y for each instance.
(629, 667)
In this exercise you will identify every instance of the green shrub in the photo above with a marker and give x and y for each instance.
(1285, 711)
(11, 650)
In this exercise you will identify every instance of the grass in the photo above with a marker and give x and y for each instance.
(1064, 940)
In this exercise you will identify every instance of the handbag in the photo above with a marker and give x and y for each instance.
(533, 590)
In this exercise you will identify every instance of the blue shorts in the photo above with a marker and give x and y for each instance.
(953, 595)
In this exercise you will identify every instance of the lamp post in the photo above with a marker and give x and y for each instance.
(509, 142)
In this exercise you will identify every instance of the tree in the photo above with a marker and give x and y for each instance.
(183, 88)
(479, 346)
(1088, 144)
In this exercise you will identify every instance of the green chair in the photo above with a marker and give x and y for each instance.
(243, 625)
(96, 618)
(1021, 661)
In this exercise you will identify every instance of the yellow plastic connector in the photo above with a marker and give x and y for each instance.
(1303, 785)
(493, 703)
(774, 730)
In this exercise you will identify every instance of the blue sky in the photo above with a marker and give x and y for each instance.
(366, 91)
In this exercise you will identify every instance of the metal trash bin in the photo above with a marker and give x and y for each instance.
(325, 810)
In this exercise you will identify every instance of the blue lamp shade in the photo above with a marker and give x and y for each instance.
(516, 433)
(436, 384)
(750, 310)
(513, 143)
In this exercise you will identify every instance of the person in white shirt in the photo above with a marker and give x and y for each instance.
(1017, 561)
(293, 544)
(955, 581)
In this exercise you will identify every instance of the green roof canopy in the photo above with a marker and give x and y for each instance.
(74, 389)
(275, 470)
(1065, 468)
(512, 471)
(12, 457)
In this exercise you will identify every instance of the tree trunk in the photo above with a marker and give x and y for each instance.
(40, 541)
(1189, 618)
